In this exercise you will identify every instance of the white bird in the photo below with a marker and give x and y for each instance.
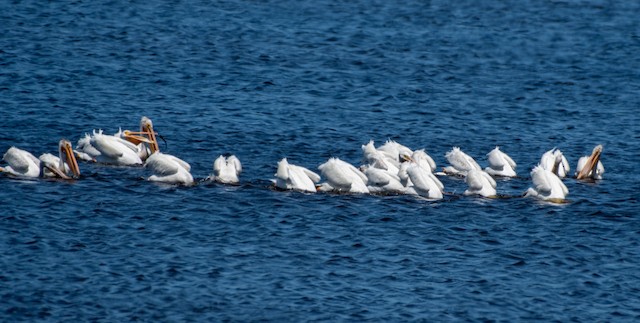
(168, 169)
(145, 139)
(546, 186)
(393, 150)
(480, 183)
(590, 166)
(421, 181)
(500, 164)
(461, 163)
(21, 163)
(343, 177)
(226, 170)
(293, 177)
(555, 162)
(381, 181)
(378, 159)
(64, 165)
(425, 161)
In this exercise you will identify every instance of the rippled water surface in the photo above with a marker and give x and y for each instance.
(310, 80)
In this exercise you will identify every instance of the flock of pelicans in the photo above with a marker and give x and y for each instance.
(389, 169)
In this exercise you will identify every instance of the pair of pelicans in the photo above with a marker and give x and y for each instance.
(389, 169)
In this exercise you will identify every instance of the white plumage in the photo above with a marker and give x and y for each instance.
(480, 183)
(226, 170)
(461, 163)
(293, 177)
(343, 177)
(421, 181)
(555, 162)
(107, 149)
(590, 166)
(21, 163)
(546, 185)
(500, 164)
(63, 165)
(381, 181)
(168, 169)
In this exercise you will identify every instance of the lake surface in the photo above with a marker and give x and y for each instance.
(310, 80)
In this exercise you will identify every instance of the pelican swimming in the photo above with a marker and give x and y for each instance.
(421, 158)
(293, 177)
(461, 163)
(546, 185)
(381, 181)
(64, 165)
(21, 163)
(480, 183)
(421, 181)
(125, 148)
(590, 166)
(226, 170)
(500, 164)
(378, 159)
(168, 169)
(343, 177)
(393, 150)
(555, 162)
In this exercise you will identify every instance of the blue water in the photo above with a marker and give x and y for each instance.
(309, 80)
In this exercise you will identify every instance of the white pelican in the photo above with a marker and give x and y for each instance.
(590, 166)
(421, 181)
(546, 185)
(145, 139)
(108, 149)
(293, 177)
(21, 163)
(60, 166)
(500, 164)
(226, 170)
(393, 150)
(421, 158)
(378, 159)
(461, 163)
(480, 183)
(168, 169)
(381, 181)
(555, 162)
(344, 177)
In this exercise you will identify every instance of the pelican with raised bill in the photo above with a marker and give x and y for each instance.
(226, 170)
(168, 169)
(293, 177)
(64, 166)
(547, 186)
(590, 167)
(145, 139)
(21, 163)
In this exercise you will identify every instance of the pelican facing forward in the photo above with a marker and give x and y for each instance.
(293, 177)
(547, 186)
(64, 166)
(168, 169)
(590, 166)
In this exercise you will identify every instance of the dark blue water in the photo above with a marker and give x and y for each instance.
(310, 80)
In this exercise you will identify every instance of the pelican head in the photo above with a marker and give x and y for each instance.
(65, 149)
(589, 169)
(146, 135)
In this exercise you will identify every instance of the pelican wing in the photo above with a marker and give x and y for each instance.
(313, 176)
(474, 180)
(357, 172)
(162, 164)
(377, 177)
(510, 161)
(180, 162)
(496, 160)
(489, 179)
(236, 163)
(19, 159)
(541, 180)
(49, 160)
(219, 163)
(107, 146)
(581, 162)
(300, 180)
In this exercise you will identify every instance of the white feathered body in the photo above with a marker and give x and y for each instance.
(168, 169)
(293, 177)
